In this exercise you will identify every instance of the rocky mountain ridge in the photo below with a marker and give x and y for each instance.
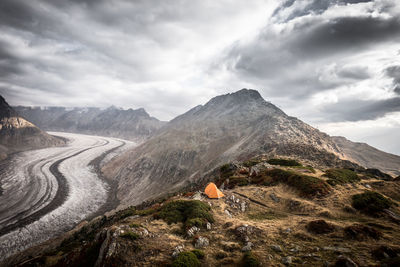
(230, 127)
(19, 134)
(136, 125)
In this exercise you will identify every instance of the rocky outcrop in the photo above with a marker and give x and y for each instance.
(19, 134)
(135, 125)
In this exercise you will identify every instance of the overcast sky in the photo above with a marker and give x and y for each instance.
(334, 64)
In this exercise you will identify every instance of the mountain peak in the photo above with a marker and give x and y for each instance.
(5, 109)
(242, 96)
(247, 93)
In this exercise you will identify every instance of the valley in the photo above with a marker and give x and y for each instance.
(48, 191)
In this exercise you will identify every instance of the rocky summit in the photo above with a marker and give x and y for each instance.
(19, 134)
(235, 126)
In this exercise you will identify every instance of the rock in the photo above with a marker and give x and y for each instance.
(343, 261)
(228, 213)
(192, 231)
(208, 226)
(243, 232)
(320, 227)
(236, 203)
(243, 206)
(287, 260)
(274, 198)
(337, 249)
(197, 196)
(367, 186)
(201, 242)
(276, 248)
(177, 250)
(247, 247)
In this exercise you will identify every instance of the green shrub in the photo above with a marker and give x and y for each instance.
(186, 259)
(238, 181)
(308, 186)
(186, 211)
(199, 222)
(341, 176)
(284, 162)
(135, 225)
(251, 162)
(371, 202)
(130, 235)
(199, 253)
(249, 260)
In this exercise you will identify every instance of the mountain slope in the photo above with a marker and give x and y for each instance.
(366, 155)
(230, 127)
(136, 125)
(18, 134)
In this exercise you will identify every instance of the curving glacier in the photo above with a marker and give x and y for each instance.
(48, 191)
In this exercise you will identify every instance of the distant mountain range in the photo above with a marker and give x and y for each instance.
(135, 125)
(19, 134)
(230, 127)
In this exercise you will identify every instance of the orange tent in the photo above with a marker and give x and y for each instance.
(212, 191)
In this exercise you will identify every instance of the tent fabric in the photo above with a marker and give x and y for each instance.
(212, 191)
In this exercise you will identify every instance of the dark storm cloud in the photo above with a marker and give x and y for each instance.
(394, 73)
(9, 64)
(356, 110)
(313, 40)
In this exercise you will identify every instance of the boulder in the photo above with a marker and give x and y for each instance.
(247, 247)
(192, 231)
(201, 242)
(177, 250)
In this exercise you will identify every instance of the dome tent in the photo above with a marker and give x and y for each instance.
(212, 191)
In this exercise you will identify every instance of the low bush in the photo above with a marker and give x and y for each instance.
(370, 202)
(190, 212)
(251, 162)
(308, 186)
(284, 162)
(130, 235)
(237, 181)
(249, 260)
(199, 253)
(186, 259)
(341, 176)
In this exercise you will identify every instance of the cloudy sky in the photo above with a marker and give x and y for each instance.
(334, 64)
